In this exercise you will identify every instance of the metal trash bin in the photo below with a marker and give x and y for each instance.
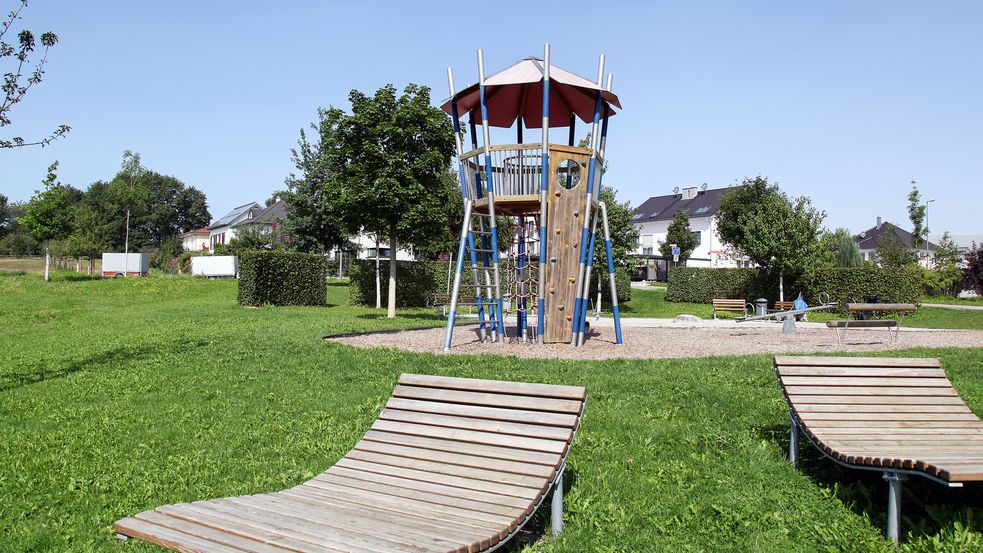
(760, 306)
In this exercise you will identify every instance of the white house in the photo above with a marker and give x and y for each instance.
(196, 240)
(653, 217)
(367, 248)
(871, 239)
(223, 229)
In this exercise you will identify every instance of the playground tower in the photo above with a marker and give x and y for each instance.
(540, 198)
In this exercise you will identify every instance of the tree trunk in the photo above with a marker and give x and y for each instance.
(597, 311)
(391, 313)
(781, 286)
(126, 245)
(47, 263)
(378, 279)
(90, 266)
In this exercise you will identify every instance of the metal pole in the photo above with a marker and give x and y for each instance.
(457, 276)
(614, 286)
(544, 188)
(793, 443)
(587, 278)
(499, 315)
(894, 480)
(556, 506)
(589, 196)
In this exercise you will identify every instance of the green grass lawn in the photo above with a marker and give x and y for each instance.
(120, 395)
(652, 303)
(952, 301)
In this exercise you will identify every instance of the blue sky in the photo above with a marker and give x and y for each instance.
(845, 102)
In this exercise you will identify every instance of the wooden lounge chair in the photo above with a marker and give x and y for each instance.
(897, 416)
(452, 464)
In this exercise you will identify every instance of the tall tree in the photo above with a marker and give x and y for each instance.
(386, 160)
(127, 191)
(6, 220)
(916, 213)
(772, 230)
(21, 77)
(680, 234)
(847, 251)
(312, 224)
(84, 240)
(49, 214)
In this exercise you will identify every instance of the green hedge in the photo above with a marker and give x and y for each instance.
(622, 279)
(282, 278)
(416, 282)
(895, 285)
(701, 285)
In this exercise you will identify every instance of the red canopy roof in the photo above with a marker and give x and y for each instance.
(518, 90)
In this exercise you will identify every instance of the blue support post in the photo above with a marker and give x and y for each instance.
(614, 287)
(582, 314)
(489, 177)
(544, 188)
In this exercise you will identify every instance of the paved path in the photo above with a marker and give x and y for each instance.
(955, 306)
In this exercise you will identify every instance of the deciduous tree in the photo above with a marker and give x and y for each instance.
(49, 213)
(973, 271)
(916, 214)
(680, 234)
(774, 231)
(312, 224)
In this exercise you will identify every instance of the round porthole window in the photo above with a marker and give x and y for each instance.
(568, 174)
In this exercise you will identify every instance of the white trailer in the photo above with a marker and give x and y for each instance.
(215, 266)
(125, 264)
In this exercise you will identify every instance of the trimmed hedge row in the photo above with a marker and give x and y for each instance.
(417, 282)
(282, 278)
(701, 285)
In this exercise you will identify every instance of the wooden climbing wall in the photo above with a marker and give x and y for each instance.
(566, 211)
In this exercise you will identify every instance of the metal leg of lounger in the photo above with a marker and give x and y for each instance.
(122, 537)
(793, 444)
(556, 506)
(894, 480)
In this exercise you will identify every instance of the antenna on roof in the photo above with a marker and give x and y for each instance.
(703, 187)
(675, 190)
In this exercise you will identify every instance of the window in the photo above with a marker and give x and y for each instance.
(703, 209)
(699, 237)
(647, 251)
(654, 215)
(568, 174)
(636, 217)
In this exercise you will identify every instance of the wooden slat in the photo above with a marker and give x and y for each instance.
(527, 469)
(401, 503)
(497, 427)
(837, 399)
(211, 534)
(810, 361)
(495, 386)
(473, 436)
(429, 487)
(874, 431)
(259, 531)
(533, 482)
(894, 424)
(330, 528)
(171, 539)
(455, 481)
(862, 324)
(807, 418)
(466, 448)
(882, 307)
(860, 371)
(869, 391)
(490, 400)
(866, 381)
(490, 413)
(878, 408)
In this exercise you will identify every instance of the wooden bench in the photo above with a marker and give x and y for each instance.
(452, 464)
(738, 306)
(897, 416)
(782, 306)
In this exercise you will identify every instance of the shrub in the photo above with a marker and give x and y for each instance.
(416, 282)
(973, 269)
(701, 285)
(894, 285)
(622, 279)
(282, 278)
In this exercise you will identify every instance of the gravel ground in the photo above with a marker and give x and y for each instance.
(657, 343)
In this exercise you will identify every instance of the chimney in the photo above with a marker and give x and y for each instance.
(689, 192)
(878, 223)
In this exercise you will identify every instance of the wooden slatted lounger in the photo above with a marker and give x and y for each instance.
(897, 416)
(452, 464)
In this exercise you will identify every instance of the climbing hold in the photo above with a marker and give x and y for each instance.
(552, 260)
(571, 279)
(569, 317)
(552, 290)
(574, 244)
(558, 231)
(560, 307)
(557, 193)
(576, 214)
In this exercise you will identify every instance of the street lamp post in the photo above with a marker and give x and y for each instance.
(926, 225)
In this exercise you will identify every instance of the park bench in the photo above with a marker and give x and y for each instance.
(900, 417)
(841, 326)
(782, 306)
(451, 464)
(737, 306)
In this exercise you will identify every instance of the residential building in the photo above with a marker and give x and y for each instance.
(196, 240)
(222, 230)
(963, 241)
(367, 248)
(268, 219)
(653, 217)
(869, 240)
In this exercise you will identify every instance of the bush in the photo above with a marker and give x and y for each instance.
(893, 285)
(416, 282)
(622, 279)
(701, 285)
(282, 278)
